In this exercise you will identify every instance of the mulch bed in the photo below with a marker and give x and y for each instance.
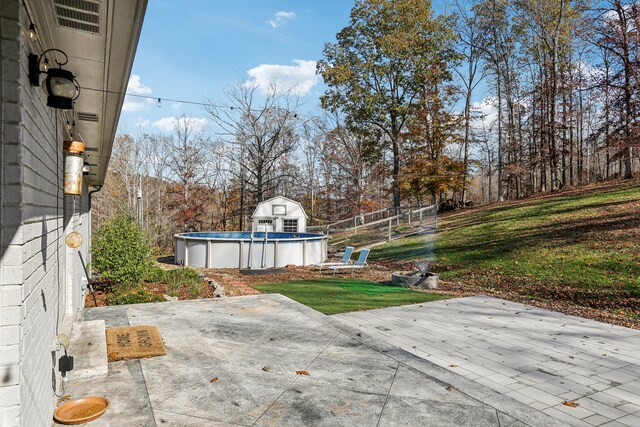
(102, 288)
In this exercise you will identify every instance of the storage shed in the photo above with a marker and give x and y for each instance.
(279, 214)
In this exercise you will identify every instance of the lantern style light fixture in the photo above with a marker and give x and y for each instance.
(61, 85)
(73, 167)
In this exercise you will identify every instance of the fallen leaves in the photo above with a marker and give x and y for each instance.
(571, 403)
(64, 398)
(214, 380)
(453, 366)
(265, 368)
(302, 373)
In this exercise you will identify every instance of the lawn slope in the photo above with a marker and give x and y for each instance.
(580, 248)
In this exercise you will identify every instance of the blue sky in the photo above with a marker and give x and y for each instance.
(192, 49)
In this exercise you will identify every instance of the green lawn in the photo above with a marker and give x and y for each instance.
(332, 296)
(576, 247)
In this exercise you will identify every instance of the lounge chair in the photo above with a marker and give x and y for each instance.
(346, 259)
(360, 263)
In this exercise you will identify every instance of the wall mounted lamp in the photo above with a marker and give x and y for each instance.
(61, 85)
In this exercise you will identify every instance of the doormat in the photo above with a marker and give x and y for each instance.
(134, 342)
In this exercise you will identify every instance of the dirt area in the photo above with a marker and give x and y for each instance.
(237, 284)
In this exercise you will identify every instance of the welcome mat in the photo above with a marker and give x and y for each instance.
(134, 342)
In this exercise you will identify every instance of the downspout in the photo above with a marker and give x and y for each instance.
(97, 188)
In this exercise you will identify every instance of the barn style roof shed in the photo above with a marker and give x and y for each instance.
(279, 214)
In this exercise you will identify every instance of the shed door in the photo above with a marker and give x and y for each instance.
(265, 225)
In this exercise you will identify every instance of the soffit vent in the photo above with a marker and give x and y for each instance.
(87, 117)
(83, 15)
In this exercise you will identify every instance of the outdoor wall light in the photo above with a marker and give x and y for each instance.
(61, 85)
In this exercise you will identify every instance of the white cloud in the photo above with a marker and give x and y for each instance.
(176, 105)
(135, 87)
(298, 78)
(142, 122)
(285, 15)
(168, 124)
(487, 111)
(281, 18)
(130, 104)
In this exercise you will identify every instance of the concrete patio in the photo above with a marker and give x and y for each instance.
(254, 345)
(538, 357)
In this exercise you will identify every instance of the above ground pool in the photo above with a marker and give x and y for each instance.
(242, 249)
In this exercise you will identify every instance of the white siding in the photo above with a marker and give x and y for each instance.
(37, 272)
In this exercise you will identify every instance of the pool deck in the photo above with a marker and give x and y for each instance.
(254, 345)
(538, 357)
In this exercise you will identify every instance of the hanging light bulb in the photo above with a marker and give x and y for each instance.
(159, 103)
(45, 65)
(33, 36)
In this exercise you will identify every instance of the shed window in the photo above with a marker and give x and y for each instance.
(290, 225)
(279, 209)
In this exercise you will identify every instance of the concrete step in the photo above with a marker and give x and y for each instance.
(89, 350)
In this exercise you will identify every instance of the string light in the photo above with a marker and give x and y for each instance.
(158, 101)
(33, 35)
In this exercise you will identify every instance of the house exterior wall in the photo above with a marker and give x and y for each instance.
(39, 276)
(264, 211)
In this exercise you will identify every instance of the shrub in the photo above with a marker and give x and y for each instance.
(136, 295)
(121, 251)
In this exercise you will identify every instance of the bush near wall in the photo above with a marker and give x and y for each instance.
(121, 251)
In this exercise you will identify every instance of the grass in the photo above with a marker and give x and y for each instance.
(586, 240)
(332, 296)
(180, 279)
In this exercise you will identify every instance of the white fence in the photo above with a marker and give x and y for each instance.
(366, 230)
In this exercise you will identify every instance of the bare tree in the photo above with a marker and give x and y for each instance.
(185, 153)
(262, 130)
(314, 132)
(470, 77)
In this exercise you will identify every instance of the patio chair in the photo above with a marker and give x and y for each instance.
(346, 259)
(360, 263)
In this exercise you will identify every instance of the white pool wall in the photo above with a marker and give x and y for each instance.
(222, 252)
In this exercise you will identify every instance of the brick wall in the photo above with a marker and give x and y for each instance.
(39, 275)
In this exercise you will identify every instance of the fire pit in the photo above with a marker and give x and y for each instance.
(420, 278)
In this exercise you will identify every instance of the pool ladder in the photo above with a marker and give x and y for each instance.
(264, 249)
